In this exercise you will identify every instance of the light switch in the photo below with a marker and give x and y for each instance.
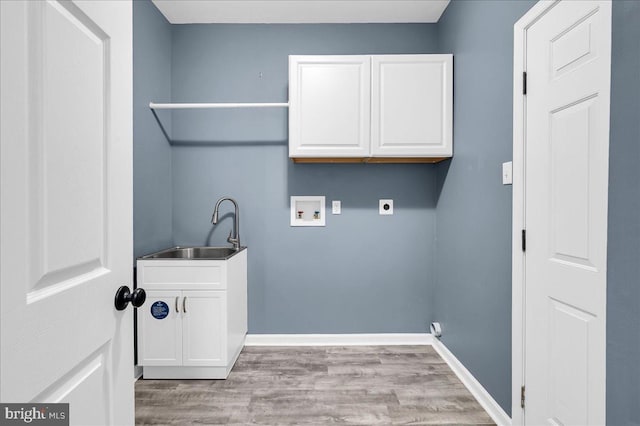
(336, 207)
(507, 173)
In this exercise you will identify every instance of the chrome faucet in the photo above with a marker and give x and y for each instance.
(235, 240)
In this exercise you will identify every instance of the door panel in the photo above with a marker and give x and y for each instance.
(573, 46)
(66, 206)
(79, 388)
(570, 160)
(68, 186)
(566, 190)
(569, 363)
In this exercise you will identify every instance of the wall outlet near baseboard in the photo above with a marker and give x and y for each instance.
(436, 329)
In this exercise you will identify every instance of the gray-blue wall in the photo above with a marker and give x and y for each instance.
(623, 286)
(362, 272)
(472, 295)
(473, 286)
(151, 151)
(445, 255)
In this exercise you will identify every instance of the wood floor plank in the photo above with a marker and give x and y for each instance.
(296, 413)
(324, 396)
(419, 415)
(355, 385)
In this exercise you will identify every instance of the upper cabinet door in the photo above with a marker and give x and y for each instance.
(411, 105)
(329, 111)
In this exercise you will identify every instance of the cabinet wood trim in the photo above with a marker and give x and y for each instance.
(328, 160)
(373, 160)
(391, 160)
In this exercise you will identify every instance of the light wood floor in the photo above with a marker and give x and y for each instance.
(357, 385)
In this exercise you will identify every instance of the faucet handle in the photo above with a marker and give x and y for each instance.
(234, 241)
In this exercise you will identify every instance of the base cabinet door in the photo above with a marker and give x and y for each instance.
(204, 328)
(160, 329)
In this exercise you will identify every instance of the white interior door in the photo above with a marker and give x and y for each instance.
(566, 192)
(66, 212)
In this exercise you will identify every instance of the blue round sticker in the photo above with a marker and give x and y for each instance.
(159, 310)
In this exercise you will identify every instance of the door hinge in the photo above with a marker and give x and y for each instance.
(524, 240)
(524, 83)
(522, 397)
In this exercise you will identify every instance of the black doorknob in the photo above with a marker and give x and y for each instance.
(124, 296)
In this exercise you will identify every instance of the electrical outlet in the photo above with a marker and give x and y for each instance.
(385, 207)
(336, 207)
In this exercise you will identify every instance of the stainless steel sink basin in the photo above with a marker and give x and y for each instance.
(195, 253)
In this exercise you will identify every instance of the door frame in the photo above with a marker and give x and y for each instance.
(520, 29)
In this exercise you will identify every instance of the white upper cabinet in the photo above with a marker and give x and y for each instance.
(329, 108)
(372, 108)
(411, 105)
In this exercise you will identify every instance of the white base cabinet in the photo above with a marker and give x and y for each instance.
(194, 322)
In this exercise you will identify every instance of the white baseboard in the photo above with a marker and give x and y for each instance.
(338, 339)
(477, 390)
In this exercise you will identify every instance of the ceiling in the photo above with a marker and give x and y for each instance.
(300, 11)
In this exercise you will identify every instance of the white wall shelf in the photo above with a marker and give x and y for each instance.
(154, 105)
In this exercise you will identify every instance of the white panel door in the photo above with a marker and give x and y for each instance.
(204, 328)
(66, 204)
(160, 329)
(411, 105)
(329, 111)
(566, 188)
